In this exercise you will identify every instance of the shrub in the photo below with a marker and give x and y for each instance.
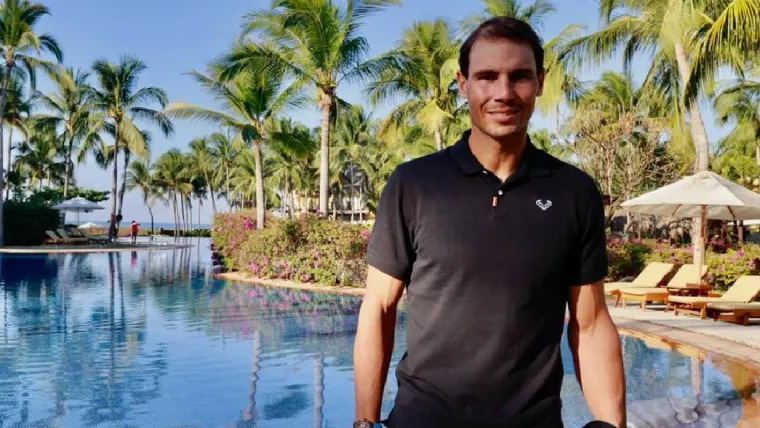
(724, 263)
(309, 249)
(25, 223)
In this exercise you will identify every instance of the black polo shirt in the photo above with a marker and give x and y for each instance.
(487, 267)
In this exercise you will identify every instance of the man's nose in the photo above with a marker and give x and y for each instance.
(504, 89)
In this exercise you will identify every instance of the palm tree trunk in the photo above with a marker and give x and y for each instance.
(190, 212)
(123, 186)
(211, 194)
(182, 209)
(438, 138)
(260, 207)
(351, 193)
(176, 216)
(114, 183)
(699, 135)
(324, 156)
(3, 99)
(227, 173)
(67, 172)
(10, 160)
(150, 211)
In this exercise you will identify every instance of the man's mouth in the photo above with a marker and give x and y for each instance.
(504, 114)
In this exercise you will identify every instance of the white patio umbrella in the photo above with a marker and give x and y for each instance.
(78, 205)
(706, 195)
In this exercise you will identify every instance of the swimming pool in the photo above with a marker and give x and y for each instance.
(152, 339)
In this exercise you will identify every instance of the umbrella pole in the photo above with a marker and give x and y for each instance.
(701, 244)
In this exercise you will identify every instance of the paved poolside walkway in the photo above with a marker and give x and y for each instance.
(742, 342)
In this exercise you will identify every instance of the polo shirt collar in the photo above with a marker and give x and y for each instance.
(533, 162)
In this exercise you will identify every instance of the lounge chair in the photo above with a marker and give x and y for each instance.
(72, 239)
(651, 276)
(744, 290)
(52, 238)
(686, 274)
(93, 238)
(734, 312)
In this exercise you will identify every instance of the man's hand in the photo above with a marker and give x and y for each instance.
(596, 352)
(373, 345)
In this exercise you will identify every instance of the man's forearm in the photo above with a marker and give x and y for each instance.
(599, 369)
(373, 347)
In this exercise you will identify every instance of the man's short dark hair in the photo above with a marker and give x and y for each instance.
(502, 27)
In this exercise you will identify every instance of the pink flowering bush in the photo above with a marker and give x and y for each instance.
(308, 249)
(725, 262)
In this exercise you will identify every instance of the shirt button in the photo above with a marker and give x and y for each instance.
(500, 192)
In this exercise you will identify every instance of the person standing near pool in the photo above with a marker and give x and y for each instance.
(134, 227)
(493, 240)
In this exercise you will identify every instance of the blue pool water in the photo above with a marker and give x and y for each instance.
(152, 339)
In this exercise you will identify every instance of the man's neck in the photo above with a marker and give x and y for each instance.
(499, 157)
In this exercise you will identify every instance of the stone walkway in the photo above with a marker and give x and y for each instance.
(738, 341)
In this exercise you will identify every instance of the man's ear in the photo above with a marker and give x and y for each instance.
(541, 77)
(462, 84)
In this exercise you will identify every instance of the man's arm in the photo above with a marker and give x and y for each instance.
(374, 342)
(596, 352)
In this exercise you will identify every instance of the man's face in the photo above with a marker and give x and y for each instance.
(502, 86)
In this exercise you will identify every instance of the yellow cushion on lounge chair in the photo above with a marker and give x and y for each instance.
(744, 290)
(725, 306)
(693, 301)
(640, 291)
(687, 274)
(650, 276)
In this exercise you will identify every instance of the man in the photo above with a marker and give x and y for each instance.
(134, 228)
(492, 239)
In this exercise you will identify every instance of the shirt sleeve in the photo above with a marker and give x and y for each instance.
(390, 244)
(589, 260)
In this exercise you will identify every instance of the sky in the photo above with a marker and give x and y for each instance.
(173, 37)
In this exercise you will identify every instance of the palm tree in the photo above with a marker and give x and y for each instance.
(171, 173)
(647, 26)
(140, 176)
(664, 29)
(202, 159)
(422, 68)
(120, 102)
(740, 103)
(288, 158)
(18, 45)
(249, 101)
(38, 157)
(18, 108)
(317, 43)
(225, 148)
(71, 109)
(727, 30)
(354, 134)
(533, 14)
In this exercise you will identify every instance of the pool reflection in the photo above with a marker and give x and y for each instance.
(151, 338)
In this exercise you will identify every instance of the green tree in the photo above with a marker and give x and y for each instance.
(120, 102)
(202, 159)
(70, 106)
(317, 43)
(421, 69)
(139, 176)
(533, 14)
(248, 101)
(19, 44)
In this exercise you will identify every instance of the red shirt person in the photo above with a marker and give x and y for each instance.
(134, 227)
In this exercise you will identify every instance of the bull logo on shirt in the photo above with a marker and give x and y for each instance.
(544, 205)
